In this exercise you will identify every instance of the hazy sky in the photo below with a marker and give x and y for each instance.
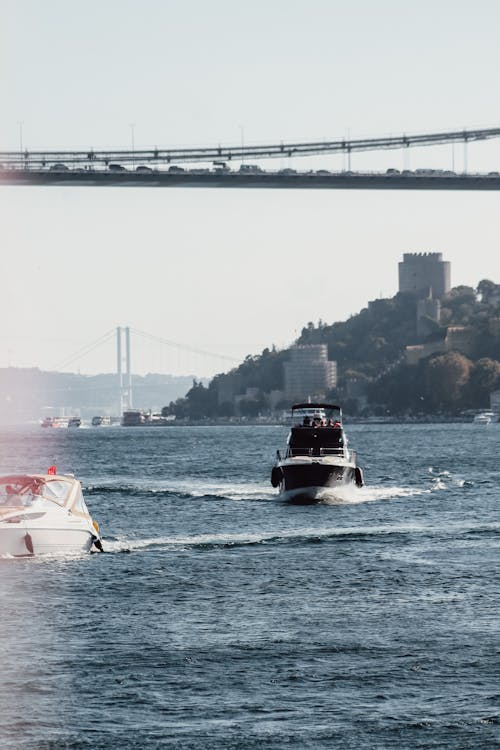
(232, 271)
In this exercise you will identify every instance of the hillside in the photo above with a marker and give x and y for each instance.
(454, 372)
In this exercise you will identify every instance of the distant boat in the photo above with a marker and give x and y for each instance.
(61, 422)
(135, 417)
(101, 421)
(485, 417)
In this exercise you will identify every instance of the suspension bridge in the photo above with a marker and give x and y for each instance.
(129, 349)
(160, 167)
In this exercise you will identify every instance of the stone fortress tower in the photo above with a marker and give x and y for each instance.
(422, 273)
(427, 276)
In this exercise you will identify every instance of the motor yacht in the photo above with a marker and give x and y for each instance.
(43, 514)
(317, 458)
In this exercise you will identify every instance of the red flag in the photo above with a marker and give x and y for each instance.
(52, 469)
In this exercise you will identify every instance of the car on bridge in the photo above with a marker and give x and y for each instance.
(59, 167)
(116, 168)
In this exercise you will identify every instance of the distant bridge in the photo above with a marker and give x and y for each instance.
(160, 167)
(151, 353)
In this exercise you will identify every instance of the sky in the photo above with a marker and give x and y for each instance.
(232, 271)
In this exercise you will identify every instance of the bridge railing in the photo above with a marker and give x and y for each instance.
(240, 153)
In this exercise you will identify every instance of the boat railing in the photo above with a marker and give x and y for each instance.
(297, 452)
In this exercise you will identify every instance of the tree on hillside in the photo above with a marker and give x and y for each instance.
(458, 306)
(486, 289)
(484, 378)
(371, 340)
(447, 375)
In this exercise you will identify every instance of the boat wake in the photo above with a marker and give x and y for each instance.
(352, 495)
(198, 489)
(186, 490)
(291, 536)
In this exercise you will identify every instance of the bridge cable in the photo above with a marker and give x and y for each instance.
(182, 347)
(84, 350)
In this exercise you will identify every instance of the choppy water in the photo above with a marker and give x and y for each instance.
(222, 618)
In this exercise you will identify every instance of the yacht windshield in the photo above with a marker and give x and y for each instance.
(57, 489)
(20, 491)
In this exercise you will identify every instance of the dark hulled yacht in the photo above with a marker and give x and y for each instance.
(317, 458)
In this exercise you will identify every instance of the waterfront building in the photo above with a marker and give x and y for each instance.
(309, 372)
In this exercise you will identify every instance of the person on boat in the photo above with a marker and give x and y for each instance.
(306, 422)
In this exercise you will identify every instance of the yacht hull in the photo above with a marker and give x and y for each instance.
(26, 541)
(310, 481)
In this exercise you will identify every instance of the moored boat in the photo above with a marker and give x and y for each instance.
(43, 514)
(101, 421)
(61, 422)
(485, 417)
(317, 459)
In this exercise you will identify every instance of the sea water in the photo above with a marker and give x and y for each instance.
(221, 617)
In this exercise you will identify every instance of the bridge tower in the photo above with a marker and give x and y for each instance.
(123, 370)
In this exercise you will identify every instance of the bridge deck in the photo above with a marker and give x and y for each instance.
(352, 181)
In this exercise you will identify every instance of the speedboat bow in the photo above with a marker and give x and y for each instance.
(43, 514)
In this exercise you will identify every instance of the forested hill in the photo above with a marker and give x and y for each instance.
(376, 338)
(370, 348)
(372, 339)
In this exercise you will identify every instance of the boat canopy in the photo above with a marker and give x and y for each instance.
(316, 414)
(316, 406)
(22, 490)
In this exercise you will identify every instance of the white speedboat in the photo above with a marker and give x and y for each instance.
(43, 514)
(317, 459)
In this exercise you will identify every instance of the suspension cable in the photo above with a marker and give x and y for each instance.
(84, 350)
(182, 347)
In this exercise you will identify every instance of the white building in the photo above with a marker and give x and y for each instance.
(309, 372)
